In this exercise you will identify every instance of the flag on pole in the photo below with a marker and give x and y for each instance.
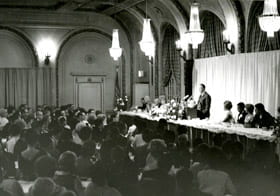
(117, 86)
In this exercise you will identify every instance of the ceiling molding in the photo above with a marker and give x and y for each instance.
(121, 6)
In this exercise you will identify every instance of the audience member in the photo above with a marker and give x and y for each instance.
(99, 184)
(65, 176)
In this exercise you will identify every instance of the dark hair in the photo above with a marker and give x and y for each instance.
(169, 137)
(88, 149)
(203, 86)
(44, 140)
(241, 105)
(260, 107)
(14, 130)
(228, 105)
(98, 175)
(215, 158)
(67, 161)
(31, 137)
(249, 108)
(85, 133)
(45, 166)
(278, 110)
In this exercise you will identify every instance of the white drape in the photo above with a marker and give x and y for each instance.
(249, 78)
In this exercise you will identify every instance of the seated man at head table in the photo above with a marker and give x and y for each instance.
(241, 113)
(262, 118)
(146, 104)
(204, 103)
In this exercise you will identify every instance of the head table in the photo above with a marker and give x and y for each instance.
(211, 126)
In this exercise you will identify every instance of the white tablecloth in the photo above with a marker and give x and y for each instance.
(215, 127)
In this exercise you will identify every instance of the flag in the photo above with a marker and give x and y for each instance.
(117, 86)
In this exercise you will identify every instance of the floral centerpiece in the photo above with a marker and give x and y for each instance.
(122, 103)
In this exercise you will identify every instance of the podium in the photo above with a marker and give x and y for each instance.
(191, 113)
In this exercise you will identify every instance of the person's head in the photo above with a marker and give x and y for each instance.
(218, 140)
(202, 88)
(183, 141)
(162, 125)
(181, 130)
(227, 105)
(278, 110)
(169, 137)
(42, 187)
(14, 130)
(45, 141)
(215, 158)
(39, 115)
(157, 147)
(249, 108)
(67, 162)
(259, 108)
(31, 138)
(45, 166)
(201, 152)
(240, 107)
(98, 175)
(65, 135)
(88, 149)
(82, 116)
(117, 154)
(3, 113)
(85, 133)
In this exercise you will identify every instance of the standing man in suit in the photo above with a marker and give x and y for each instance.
(204, 103)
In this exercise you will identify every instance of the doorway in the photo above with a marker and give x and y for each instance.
(89, 92)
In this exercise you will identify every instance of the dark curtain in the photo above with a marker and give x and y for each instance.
(32, 86)
(212, 44)
(256, 38)
(171, 58)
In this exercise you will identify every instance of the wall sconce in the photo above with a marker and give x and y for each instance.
(47, 60)
(226, 41)
(179, 48)
(47, 50)
(141, 73)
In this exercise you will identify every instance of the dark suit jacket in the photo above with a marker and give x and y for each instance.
(203, 105)
(266, 120)
(241, 117)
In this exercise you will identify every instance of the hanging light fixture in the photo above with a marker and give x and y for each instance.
(195, 35)
(270, 20)
(147, 44)
(115, 50)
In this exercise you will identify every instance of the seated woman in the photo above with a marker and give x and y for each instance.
(228, 116)
(28, 157)
(250, 116)
(65, 176)
(262, 118)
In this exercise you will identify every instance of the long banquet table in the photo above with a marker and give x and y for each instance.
(210, 127)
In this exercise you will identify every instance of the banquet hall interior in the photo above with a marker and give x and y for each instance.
(139, 97)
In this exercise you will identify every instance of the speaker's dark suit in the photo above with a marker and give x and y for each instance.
(203, 106)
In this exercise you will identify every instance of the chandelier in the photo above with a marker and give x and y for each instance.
(147, 44)
(270, 20)
(195, 34)
(115, 50)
